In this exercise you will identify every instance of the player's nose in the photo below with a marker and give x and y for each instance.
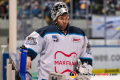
(64, 21)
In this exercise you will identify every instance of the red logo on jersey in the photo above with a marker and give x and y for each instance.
(76, 40)
(64, 62)
(61, 62)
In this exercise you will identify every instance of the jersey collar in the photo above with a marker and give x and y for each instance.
(61, 31)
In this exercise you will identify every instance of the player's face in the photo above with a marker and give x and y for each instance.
(62, 21)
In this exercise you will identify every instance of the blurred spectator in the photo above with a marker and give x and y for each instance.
(18, 6)
(118, 5)
(98, 1)
(68, 4)
(22, 29)
(81, 9)
(75, 4)
(6, 4)
(33, 1)
(3, 10)
(28, 5)
(47, 6)
(110, 7)
(95, 10)
(7, 14)
(36, 11)
(24, 12)
(91, 1)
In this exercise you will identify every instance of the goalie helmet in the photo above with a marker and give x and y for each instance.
(58, 9)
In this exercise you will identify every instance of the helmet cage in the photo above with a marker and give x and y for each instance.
(58, 9)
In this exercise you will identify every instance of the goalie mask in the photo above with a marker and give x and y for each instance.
(58, 9)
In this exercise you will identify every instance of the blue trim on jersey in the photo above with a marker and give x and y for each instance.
(50, 33)
(54, 30)
(32, 50)
(86, 60)
(76, 34)
(44, 79)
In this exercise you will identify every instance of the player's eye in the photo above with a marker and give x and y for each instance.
(61, 18)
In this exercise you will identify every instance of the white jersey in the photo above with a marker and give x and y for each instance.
(58, 52)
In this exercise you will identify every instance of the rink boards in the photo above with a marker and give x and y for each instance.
(106, 59)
